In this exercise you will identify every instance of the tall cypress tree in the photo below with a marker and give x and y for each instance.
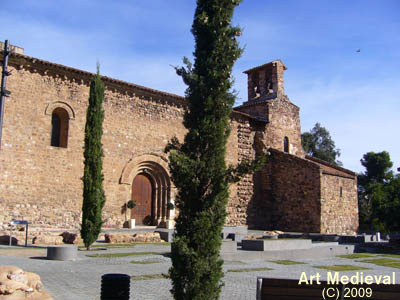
(197, 166)
(93, 192)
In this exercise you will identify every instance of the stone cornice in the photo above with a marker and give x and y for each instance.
(50, 68)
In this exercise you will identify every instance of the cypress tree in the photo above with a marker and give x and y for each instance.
(93, 192)
(197, 166)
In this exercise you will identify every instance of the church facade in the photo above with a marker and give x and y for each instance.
(41, 156)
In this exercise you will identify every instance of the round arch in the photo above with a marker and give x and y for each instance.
(156, 168)
(59, 104)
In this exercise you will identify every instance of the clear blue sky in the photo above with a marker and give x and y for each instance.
(354, 95)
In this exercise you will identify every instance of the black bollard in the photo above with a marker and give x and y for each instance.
(115, 287)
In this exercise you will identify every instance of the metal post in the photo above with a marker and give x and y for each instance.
(26, 235)
(10, 241)
(259, 288)
(3, 92)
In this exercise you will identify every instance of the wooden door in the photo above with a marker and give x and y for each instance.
(142, 195)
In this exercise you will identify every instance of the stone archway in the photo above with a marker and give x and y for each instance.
(155, 169)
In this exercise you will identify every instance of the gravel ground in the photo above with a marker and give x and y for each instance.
(81, 279)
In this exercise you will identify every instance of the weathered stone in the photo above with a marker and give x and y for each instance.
(147, 237)
(253, 237)
(273, 232)
(15, 284)
(118, 238)
(139, 237)
(71, 238)
(43, 239)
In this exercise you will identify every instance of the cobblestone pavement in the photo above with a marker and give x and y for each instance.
(81, 279)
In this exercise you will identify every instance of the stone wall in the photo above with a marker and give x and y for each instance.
(284, 121)
(339, 204)
(307, 195)
(240, 208)
(296, 193)
(42, 184)
(339, 209)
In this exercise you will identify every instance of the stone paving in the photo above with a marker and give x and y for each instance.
(81, 279)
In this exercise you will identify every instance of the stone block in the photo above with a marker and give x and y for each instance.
(47, 240)
(17, 284)
(118, 238)
(138, 237)
(279, 244)
(147, 237)
(71, 238)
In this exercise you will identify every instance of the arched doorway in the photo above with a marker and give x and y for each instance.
(142, 194)
(154, 171)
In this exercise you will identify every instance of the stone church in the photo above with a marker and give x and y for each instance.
(41, 156)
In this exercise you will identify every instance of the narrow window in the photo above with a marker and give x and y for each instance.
(255, 82)
(286, 144)
(59, 128)
(341, 192)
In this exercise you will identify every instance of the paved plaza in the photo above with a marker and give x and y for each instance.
(81, 279)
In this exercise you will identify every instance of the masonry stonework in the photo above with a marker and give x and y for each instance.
(42, 184)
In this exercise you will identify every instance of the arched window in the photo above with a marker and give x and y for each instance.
(59, 127)
(286, 144)
(255, 78)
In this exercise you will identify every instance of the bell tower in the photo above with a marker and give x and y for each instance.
(267, 102)
(264, 82)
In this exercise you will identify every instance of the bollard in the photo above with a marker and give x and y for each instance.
(62, 252)
(115, 287)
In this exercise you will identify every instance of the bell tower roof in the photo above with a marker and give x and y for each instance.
(265, 66)
(265, 81)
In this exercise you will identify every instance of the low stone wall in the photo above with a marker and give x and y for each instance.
(38, 237)
(139, 237)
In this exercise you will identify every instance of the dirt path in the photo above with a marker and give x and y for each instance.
(23, 252)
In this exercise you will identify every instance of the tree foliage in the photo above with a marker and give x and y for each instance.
(319, 144)
(93, 192)
(378, 168)
(378, 193)
(197, 166)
